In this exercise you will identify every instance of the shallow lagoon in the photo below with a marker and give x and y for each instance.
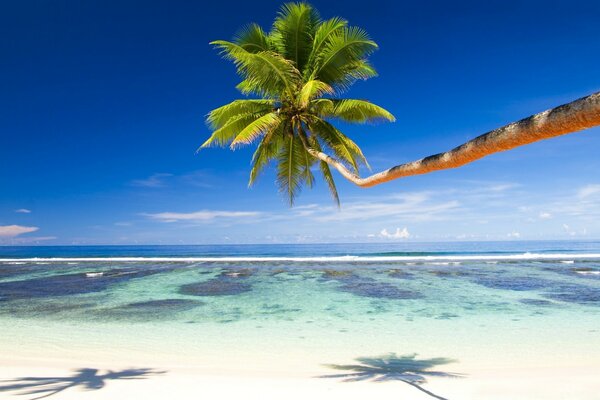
(507, 308)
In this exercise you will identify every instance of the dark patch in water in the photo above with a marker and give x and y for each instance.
(577, 294)
(149, 310)
(336, 273)
(447, 316)
(368, 287)
(163, 305)
(228, 283)
(400, 274)
(278, 271)
(42, 308)
(451, 272)
(536, 302)
(11, 270)
(215, 287)
(516, 283)
(69, 284)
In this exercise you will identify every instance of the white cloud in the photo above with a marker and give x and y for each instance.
(201, 216)
(153, 181)
(544, 215)
(514, 235)
(416, 206)
(9, 231)
(399, 234)
(588, 191)
(23, 211)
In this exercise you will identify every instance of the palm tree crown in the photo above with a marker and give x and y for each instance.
(295, 71)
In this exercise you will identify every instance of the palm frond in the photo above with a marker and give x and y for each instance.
(326, 172)
(266, 151)
(311, 89)
(220, 116)
(260, 126)
(295, 25)
(321, 106)
(345, 53)
(352, 110)
(252, 38)
(342, 146)
(325, 30)
(265, 73)
(230, 130)
(291, 163)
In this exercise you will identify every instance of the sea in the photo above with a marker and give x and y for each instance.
(475, 304)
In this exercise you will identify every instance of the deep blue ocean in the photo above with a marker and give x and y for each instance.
(309, 250)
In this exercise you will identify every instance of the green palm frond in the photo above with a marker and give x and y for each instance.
(220, 116)
(326, 172)
(252, 38)
(291, 167)
(342, 146)
(265, 73)
(345, 52)
(352, 110)
(230, 130)
(322, 35)
(311, 89)
(260, 126)
(295, 26)
(266, 151)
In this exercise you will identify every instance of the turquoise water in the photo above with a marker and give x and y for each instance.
(480, 303)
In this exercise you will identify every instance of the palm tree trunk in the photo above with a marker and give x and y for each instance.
(572, 117)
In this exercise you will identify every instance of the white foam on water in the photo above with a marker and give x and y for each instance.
(333, 259)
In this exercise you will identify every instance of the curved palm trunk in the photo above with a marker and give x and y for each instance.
(568, 118)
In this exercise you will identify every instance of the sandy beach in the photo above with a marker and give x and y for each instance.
(126, 379)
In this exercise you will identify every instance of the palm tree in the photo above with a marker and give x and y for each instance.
(297, 72)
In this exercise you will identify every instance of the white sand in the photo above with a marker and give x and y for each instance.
(244, 381)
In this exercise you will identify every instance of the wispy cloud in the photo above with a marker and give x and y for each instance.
(10, 231)
(416, 206)
(588, 191)
(123, 223)
(202, 216)
(153, 181)
(23, 211)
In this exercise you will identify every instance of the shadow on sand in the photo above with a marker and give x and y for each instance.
(84, 378)
(407, 368)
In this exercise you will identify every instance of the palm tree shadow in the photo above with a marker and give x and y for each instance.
(390, 367)
(85, 378)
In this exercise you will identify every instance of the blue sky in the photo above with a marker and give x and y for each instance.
(103, 102)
